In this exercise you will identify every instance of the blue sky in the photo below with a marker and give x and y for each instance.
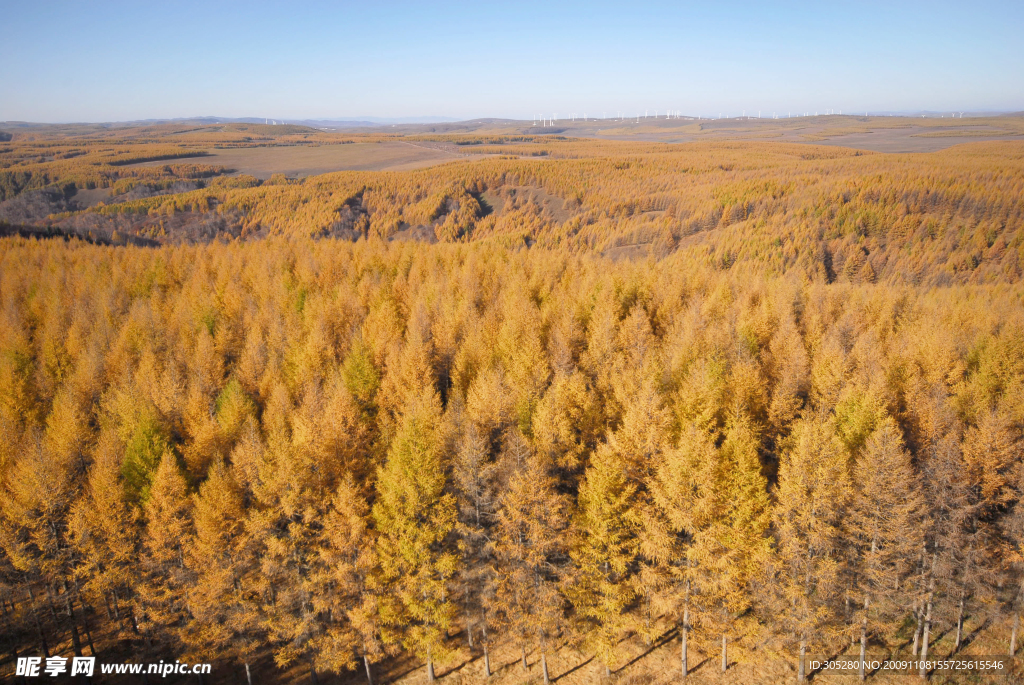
(117, 61)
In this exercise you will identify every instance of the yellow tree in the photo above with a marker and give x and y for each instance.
(414, 516)
(474, 476)
(36, 512)
(306, 456)
(685, 503)
(346, 585)
(165, 576)
(885, 530)
(811, 503)
(220, 601)
(529, 547)
(604, 551)
(106, 530)
(731, 550)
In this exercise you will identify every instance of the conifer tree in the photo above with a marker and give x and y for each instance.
(567, 425)
(106, 530)
(812, 501)
(684, 494)
(604, 549)
(731, 552)
(474, 476)
(529, 548)
(224, 617)
(886, 532)
(36, 514)
(346, 586)
(165, 576)
(414, 516)
(296, 475)
(1013, 527)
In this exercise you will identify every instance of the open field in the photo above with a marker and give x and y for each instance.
(875, 133)
(299, 160)
(878, 134)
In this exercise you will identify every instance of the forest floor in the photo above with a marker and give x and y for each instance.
(639, 664)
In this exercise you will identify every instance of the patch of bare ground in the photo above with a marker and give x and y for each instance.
(416, 233)
(491, 202)
(86, 198)
(552, 206)
(628, 252)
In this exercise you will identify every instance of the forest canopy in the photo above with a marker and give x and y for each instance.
(789, 424)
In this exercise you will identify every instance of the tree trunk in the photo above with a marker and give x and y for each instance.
(248, 674)
(88, 633)
(487, 655)
(85, 618)
(959, 624)
(863, 642)
(925, 635)
(607, 671)
(1013, 635)
(313, 678)
(117, 608)
(725, 654)
(917, 630)
(369, 674)
(849, 617)
(683, 631)
(801, 672)
(76, 642)
(469, 634)
(544, 667)
(430, 670)
(49, 601)
(39, 624)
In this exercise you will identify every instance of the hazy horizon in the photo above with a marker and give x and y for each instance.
(430, 119)
(124, 62)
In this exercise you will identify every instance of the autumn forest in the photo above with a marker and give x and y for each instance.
(558, 408)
